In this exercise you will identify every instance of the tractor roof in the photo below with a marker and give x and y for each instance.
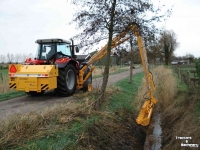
(52, 41)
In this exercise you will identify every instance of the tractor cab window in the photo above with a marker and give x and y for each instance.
(64, 48)
(45, 51)
(48, 50)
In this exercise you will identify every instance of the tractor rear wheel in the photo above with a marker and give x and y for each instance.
(66, 81)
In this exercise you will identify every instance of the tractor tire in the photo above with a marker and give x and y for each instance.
(66, 81)
(87, 85)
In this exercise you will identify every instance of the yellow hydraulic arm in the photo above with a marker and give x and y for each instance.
(147, 109)
(119, 39)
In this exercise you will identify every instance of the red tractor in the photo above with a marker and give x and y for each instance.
(55, 67)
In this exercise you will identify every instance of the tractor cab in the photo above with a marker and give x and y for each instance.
(48, 47)
(56, 49)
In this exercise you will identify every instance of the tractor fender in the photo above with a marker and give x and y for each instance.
(64, 64)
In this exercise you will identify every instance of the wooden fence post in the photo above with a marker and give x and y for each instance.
(188, 79)
(1, 77)
(179, 73)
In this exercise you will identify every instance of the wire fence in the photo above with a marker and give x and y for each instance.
(187, 74)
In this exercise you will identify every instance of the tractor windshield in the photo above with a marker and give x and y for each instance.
(46, 50)
(64, 48)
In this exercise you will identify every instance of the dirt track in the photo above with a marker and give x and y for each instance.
(27, 104)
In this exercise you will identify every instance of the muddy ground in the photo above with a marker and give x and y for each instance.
(27, 103)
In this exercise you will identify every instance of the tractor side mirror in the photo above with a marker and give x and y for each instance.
(77, 49)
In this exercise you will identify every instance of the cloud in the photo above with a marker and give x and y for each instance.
(22, 22)
(185, 22)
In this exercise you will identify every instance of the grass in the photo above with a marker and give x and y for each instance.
(98, 72)
(5, 92)
(65, 139)
(10, 95)
(79, 125)
(4, 87)
(125, 97)
(4, 71)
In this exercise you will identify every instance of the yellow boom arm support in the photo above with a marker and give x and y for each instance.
(98, 56)
(147, 109)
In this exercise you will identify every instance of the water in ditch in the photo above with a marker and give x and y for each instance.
(153, 139)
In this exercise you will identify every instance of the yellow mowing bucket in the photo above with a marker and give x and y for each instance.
(146, 112)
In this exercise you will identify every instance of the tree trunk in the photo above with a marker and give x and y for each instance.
(131, 72)
(131, 62)
(166, 49)
(107, 64)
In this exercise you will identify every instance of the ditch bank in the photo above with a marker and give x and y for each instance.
(176, 120)
(181, 120)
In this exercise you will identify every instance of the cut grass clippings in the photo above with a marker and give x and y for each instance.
(79, 125)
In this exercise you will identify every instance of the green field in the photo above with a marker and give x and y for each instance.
(4, 71)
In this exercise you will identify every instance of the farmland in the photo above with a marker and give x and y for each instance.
(84, 118)
(174, 99)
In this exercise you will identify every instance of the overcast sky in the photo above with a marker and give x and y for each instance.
(24, 21)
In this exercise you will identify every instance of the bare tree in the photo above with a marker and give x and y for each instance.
(154, 51)
(17, 58)
(2, 58)
(23, 57)
(30, 55)
(102, 19)
(10, 57)
(190, 57)
(168, 41)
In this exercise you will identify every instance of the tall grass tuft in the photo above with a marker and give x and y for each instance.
(4, 86)
(166, 88)
(22, 128)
